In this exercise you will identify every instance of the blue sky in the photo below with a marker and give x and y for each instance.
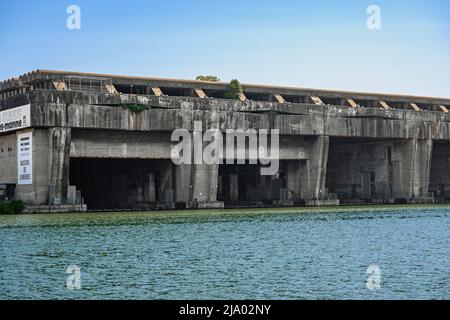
(322, 43)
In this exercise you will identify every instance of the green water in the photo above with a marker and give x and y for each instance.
(233, 254)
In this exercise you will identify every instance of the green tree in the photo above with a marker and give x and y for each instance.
(235, 90)
(208, 78)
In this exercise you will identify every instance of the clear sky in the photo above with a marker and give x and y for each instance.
(321, 43)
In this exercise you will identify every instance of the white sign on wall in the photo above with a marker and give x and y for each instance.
(25, 158)
(15, 119)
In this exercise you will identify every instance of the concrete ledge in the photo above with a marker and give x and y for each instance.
(209, 205)
(56, 209)
(322, 203)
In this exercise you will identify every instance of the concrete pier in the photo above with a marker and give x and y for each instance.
(335, 147)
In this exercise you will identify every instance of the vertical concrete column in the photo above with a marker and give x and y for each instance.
(423, 150)
(317, 167)
(411, 168)
(234, 187)
(183, 192)
(165, 194)
(150, 192)
(205, 176)
(205, 182)
(293, 179)
(59, 156)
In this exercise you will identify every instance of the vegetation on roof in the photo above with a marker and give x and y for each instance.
(136, 107)
(234, 91)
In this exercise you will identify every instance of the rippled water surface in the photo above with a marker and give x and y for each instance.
(256, 254)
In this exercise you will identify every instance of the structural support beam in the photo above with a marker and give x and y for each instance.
(183, 183)
(317, 168)
(384, 105)
(317, 100)
(443, 108)
(200, 93)
(411, 167)
(279, 98)
(352, 103)
(59, 156)
(157, 92)
(205, 183)
(166, 192)
(293, 175)
(60, 85)
(415, 106)
(242, 97)
(110, 88)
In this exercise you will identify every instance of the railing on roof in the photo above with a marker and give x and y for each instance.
(87, 83)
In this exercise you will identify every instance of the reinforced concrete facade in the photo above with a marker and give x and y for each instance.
(85, 145)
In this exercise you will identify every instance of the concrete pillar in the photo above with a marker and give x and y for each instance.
(423, 150)
(411, 168)
(317, 168)
(59, 156)
(234, 187)
(150, 189)
(205, 182)
(165, 194)
(293, 176)
(183, 192)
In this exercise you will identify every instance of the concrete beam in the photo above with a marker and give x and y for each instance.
(415, 106)
(111, 89)
(443, 108)
(384, 105)
(183, 183)
(60, 85)
(200, 93)
(279, 98)
(157, 92)
(316, 100)
(352, 103)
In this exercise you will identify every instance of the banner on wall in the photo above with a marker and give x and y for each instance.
(15, 119)
(25, 158)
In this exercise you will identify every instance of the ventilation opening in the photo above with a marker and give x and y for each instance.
(178, 92)
(259, 96)
(295, 99)
(368, 103)
(217, 94)
(133, 89)
(332, 101)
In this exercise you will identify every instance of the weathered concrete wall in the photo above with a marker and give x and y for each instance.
(88, 125)
(382, 170)
(168, 113)
(38, 191)
(8, 158)
(120, 144)
(360, 170)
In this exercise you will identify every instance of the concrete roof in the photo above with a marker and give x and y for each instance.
(206, 85)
